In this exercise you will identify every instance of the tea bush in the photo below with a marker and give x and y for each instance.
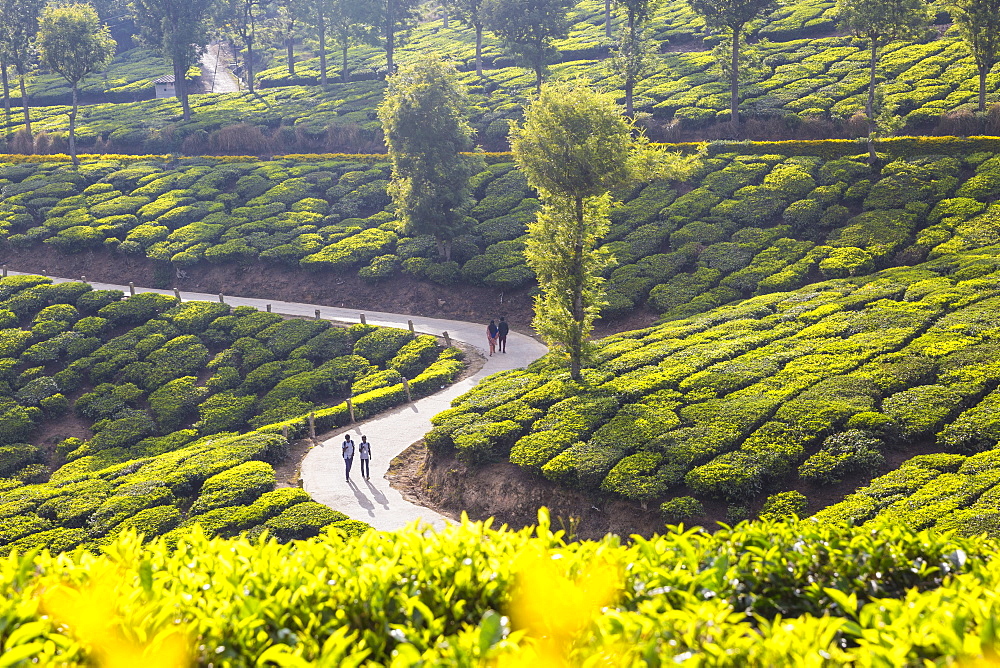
(167, 392)
(747, 580)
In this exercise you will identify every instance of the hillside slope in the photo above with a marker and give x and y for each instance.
(784, 391)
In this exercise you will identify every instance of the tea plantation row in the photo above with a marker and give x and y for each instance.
(170, 391)
(745, 224)
(760, 594)
(809, 71)
(784, 391)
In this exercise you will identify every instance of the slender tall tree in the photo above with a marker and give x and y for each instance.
(631, 57)
(528, 27)
(73, 43)
(395, 19)
(242, 19)
(881, 22)
(472, 14)
(179, 29)
(978, 23)
(732, 16)
(574, 147)
(425, 120)
(351, 22)
(289, 17)
(18, 27)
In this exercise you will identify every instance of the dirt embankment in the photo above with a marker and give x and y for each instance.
(513, 495)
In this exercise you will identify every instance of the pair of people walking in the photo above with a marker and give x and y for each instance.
(364, 450)
(496, 335)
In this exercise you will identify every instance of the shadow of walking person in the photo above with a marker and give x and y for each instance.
(379, 496)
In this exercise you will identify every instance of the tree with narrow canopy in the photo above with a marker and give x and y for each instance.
(425, 120)
(978, 23)
(631, 57)
(881, 22)
(178, 28)
(528, 28)
(18, 27)
(732, 16)
(574, 147)
(73, 43)
(395, 19)
(472, 14)
(241, 19)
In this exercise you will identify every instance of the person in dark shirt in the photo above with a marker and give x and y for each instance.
(491, 336)
(502, 330)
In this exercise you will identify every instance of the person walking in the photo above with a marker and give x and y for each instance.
(347, 449)
(502, 329)
(491, 336)
(365, 453)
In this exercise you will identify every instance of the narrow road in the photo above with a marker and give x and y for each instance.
(215, 73)
(374, 501)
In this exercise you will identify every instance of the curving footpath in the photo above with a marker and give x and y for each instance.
(374, 501)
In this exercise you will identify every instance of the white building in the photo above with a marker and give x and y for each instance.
(164, 86)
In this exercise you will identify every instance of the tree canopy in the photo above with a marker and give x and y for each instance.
(424, 117)
(528, 28)
(73, 43)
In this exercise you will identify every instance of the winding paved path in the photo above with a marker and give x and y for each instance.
(374, 501)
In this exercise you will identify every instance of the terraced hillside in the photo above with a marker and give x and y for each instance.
(752, 221)
(155, 415)
(787, 391)
(808, 74)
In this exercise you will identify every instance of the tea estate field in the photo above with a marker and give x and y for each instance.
(804, 70)
(180, 410)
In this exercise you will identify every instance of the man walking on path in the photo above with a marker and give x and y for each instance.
(365, 453)
(348, 451)
(502, 330)
(491, 336)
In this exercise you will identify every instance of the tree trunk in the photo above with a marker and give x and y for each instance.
(180, 86)
(982, 88)
(479, 51)
(72, 130)
(249, 63)
(576, 342)
(322, 50)
(538, 76)
(24, 105)
(629, 62)
(390, 35)
(290, 54)
(870, 106)
(607, 19)
(343, 62)
(6, 91)
(734, 81)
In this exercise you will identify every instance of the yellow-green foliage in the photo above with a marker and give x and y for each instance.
(760, 594)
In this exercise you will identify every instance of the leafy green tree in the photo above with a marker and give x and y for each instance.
(240, 20)
(978, 23)
(881, 22)
(18, 27)
(472, 14)
(574, 147)
(632, 55)
(395, 19)
(732, 16)
(179, 29)
(73, 43)
(425, 119)
(352, 21)
(528, 28)
(289, 17)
